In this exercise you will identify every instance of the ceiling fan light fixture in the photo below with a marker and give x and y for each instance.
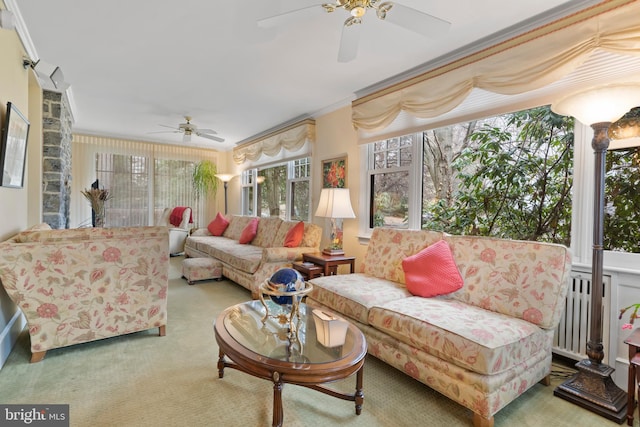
(358, 12)
(383, 9)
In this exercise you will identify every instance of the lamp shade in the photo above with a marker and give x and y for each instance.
(600, 104)
(224, 177)
(335, 203)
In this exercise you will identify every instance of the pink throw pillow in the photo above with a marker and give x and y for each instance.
(294, 236)
(249, 231)
(218, 225)
(432, 271)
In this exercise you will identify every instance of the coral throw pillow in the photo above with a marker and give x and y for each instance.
(294, 236)
(432, 271)
(218, 225)
(249, 231)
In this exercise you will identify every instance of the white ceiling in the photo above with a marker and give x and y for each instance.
(134, 65)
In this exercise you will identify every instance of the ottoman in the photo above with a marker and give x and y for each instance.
(194, 269)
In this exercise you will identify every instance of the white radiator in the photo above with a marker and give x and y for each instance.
(570, 339)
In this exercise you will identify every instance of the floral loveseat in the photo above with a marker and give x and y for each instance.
(482, 345)
(251, 264)
(85, 284)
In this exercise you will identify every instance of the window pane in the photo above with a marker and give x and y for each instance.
(390, 199)
(273, 192)
(173, 186)
(127, 178)
(622, 201)
(300, 200)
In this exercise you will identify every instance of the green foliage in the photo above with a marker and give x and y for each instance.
(514, 181)
(622, 200)
(204, 178)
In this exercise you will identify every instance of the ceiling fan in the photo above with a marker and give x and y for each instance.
(403, 16)
(189, 129)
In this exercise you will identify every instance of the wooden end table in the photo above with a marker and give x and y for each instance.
(330, 263)
(308, 270)
(264, 351)
(633, 341)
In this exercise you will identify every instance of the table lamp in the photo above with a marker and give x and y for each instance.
(335, 203)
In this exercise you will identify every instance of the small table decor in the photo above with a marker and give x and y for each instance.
(286, 287)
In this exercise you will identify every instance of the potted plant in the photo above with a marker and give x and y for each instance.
(204, 180)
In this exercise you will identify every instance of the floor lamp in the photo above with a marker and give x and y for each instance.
(225, 178)
(592, 386)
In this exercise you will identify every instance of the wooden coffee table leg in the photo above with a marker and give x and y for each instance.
(220, 364)
(277, 400)
(359, 393)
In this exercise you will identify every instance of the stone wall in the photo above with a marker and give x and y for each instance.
(56, 159)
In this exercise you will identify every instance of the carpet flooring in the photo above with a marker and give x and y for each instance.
(146, 380)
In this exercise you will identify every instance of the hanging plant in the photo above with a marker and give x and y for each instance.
(204, 178)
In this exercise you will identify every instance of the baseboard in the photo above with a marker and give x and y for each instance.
(9, 335)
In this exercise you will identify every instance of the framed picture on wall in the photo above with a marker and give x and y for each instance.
(13, 152)
(334, 173)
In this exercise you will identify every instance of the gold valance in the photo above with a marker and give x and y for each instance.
(291, 138)
(524, 63)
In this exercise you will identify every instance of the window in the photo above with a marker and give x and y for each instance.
(622, 200)
(173, 186)
(128, 179)
(299, 189)
(390, 188)
(508, 176)
(282, 190)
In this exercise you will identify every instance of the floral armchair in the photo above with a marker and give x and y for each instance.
(85, 284)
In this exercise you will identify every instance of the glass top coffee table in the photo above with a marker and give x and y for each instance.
(264, 346)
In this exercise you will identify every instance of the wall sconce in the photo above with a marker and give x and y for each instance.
(592, 387)
(225, 178)
(47, 74)
(335, 203)
(331, 331)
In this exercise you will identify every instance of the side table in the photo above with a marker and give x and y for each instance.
(633, 341)
(308, 270)
(330, 263)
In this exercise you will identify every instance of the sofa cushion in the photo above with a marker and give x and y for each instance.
(294, 235)
(218, 225)
(237, 223)
(249, 232)
(467, 336)
(388, 247)
(267, 230)
(432, 271)
(516, 278)
(353, 295)
(243, 257)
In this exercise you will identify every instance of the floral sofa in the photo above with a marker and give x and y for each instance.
(251, 264)
(85, 284)
(482, 345)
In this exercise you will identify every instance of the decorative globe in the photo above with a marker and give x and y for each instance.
(286, 280)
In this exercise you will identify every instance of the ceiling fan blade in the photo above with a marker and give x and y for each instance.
(170, 127)
(349, 42)
(164, 131)
(209, 131)
(208, 136)
(417, 21)
(282, 18)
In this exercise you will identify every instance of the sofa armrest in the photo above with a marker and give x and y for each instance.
(281, 254)
(201, 232)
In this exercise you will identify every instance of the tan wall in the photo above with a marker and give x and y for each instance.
(16, 83)
(335, 136)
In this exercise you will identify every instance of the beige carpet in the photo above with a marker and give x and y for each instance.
(146, 380)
